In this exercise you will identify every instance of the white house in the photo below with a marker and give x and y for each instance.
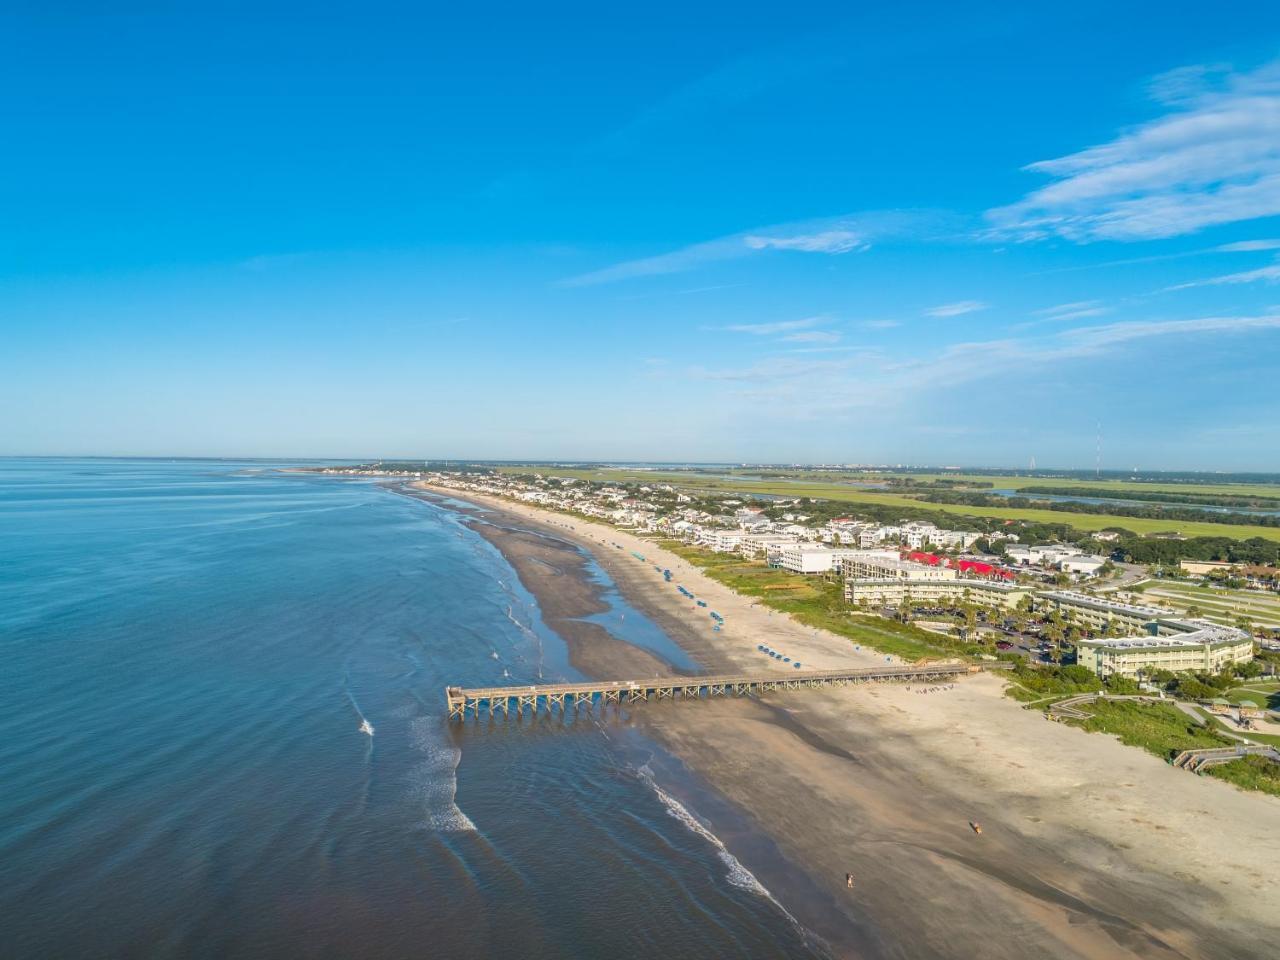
(1083, 564)
(806, 558)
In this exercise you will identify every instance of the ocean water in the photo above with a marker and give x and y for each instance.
(189, 651)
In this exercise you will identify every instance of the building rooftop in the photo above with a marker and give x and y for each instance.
(1101, 603)
(1198, 638)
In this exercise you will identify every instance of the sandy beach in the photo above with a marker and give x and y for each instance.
(1089, 849)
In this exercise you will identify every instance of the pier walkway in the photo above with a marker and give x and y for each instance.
(584, 695)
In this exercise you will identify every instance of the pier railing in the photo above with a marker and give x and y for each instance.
(517, 699)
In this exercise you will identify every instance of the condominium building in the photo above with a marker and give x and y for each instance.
(806, 558)
(1097, 612)
(1208, 650)
(878, 567)
(889, 591)
(1165, 642)
(723, 541)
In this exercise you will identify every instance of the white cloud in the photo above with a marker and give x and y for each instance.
(1248, 246)
(1113, 333)
(831, 236)
(1078, 310)
(778, 326)
(1269, 274)
(1068, 307)
(774, 369)
(813, 336)
(828, 241)
(1186, 84)
(1215, 159)
(826, 386)
(958, 309)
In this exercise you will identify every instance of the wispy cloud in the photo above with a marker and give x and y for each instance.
(827, 349)
(832, 236)
(1114, 333)
(773, 369)
(1067, 307)
(775, 327)
(1270, 274)
(1248, 246)
(828, 387)
(826, 241)
(1214, 159)
(958, 309)
(1079, 310)
(813, 336)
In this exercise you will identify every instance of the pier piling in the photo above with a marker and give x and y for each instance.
(587, 695)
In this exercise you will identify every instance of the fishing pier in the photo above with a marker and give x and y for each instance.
(509, 700)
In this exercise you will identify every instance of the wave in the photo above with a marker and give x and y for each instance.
(738, 875)
(528, 632)
(434, 781)
(365, 726)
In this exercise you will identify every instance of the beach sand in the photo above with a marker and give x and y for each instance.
(1089, 849)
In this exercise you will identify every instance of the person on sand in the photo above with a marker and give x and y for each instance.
(848, 880)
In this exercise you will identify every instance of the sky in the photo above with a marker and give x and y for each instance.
(942, 233)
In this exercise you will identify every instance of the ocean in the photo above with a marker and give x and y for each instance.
(190, 651)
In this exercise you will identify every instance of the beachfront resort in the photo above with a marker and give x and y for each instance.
(1069, 619)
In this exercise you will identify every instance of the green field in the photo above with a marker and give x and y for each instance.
(817, 603)
(844, 492)
(1015, 483)
(1217, 604)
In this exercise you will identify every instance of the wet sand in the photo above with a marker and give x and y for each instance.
(556, 573)
(1089, 849)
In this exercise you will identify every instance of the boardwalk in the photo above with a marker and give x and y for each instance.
(1197, 760)
(584, 695)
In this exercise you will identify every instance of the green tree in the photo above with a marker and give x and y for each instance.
(1121, 685)
(1250, 670)
(1195, 690)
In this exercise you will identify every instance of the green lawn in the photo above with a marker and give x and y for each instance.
(1262, 693)
(818, 603)
(845, 493)
(1156, 727)
(1250, 773)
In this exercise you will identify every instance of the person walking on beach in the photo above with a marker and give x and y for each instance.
(848, 880)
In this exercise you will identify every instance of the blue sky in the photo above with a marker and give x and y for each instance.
(942, 233)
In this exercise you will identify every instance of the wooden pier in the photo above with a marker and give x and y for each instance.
(509, 700)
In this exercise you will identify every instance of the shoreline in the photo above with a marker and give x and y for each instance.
(1075, 860)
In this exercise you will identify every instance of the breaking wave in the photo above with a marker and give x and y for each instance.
(735, 872)
(434, 780)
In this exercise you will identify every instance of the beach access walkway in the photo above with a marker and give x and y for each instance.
(516, 699)
(1197, 760)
